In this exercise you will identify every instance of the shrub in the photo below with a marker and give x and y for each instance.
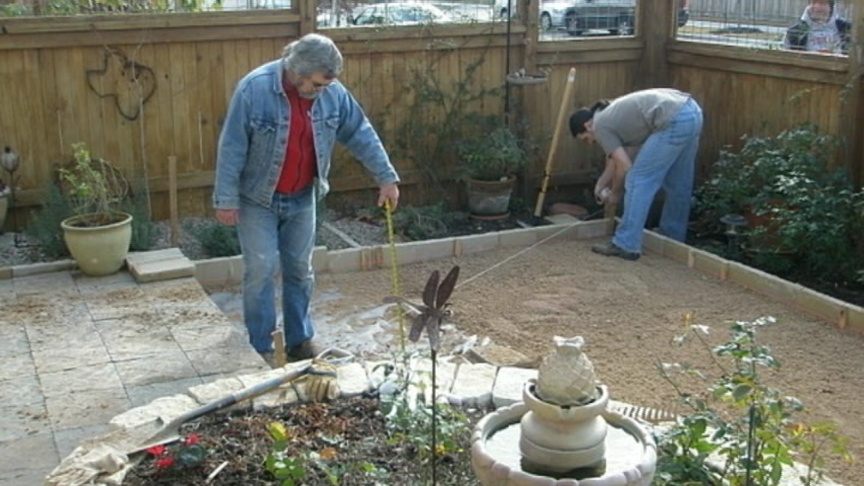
(492, 154)
(802, 213)
(44, 227)
(93, 187)
(215, 239)
(424, 222)
(145, 233)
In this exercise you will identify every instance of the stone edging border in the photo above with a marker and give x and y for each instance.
(230, 269)
(834, 311)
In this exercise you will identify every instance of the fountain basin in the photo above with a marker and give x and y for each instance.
(630, 460)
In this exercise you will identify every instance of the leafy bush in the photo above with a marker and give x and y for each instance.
(215, 239)
(93, 187)
(759, 173)
(493, 153)
(44, 227)
(802, 215)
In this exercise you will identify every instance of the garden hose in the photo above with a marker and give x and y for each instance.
(394, 271)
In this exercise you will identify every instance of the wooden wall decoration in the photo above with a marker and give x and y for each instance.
(130, 84)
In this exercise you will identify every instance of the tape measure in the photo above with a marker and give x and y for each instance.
(394, 271)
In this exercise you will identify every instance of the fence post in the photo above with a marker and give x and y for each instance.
(853, 100)
(308, 10)
(655, 25)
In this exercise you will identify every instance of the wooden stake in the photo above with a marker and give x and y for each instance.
(201, 139)
(609, 212)
(172, 200)
(279, 352)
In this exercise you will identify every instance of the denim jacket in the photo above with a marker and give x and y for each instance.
(255, 134)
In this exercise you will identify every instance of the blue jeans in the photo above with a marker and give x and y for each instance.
(667, 159)
(280, 237)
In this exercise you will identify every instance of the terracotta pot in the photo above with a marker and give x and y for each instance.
(490, 199)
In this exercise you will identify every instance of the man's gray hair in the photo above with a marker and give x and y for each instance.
(312, 54)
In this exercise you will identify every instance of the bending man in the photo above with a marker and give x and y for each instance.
(666, 123)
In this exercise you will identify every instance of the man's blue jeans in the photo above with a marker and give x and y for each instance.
(280, 237)
(667, 159)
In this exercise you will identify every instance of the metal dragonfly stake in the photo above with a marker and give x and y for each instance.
(429, 316)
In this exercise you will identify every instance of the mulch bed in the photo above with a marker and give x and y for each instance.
(347, 442)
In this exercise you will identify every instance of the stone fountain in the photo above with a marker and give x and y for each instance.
(564, 431)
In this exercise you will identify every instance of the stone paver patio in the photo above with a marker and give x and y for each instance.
(77, 351)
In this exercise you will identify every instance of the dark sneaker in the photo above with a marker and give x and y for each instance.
(611, 249)
(305, 350)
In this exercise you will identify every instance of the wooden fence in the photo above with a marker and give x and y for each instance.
(138, 89)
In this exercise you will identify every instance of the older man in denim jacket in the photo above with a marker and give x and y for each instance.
(282, 123)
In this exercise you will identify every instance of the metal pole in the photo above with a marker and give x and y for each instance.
(507, 65)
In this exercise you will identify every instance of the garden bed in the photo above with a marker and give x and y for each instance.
(347, 442)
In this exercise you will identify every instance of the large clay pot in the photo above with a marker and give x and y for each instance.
(489, 199)
(98, 250)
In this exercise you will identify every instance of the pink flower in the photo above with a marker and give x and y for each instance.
(164, 462)
(192, 439)
(158, 450)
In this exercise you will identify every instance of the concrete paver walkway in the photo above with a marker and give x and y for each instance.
(79, 350)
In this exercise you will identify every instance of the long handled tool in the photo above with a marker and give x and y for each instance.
(170, 432)
(553, 148)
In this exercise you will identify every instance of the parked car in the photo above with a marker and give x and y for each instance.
(466, 12)
(399, 13)
(616, 16)
(551, 12)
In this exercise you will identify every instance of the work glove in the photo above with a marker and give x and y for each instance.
(321, 382)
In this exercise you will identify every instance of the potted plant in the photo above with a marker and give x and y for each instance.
(97, 235)
(489, 161)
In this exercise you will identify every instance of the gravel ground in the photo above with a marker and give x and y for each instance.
(334, 233)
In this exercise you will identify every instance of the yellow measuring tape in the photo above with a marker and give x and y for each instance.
(394, 270)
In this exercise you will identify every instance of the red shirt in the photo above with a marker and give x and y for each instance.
(299, 167)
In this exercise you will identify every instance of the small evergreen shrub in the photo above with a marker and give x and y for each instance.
(215, 239)
(44, 228)
(424, 222)
(145, 233)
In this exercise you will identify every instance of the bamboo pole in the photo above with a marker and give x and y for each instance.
(172, 200)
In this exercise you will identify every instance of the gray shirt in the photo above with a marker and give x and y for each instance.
(630, 119)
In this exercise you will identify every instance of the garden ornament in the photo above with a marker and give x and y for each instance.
(566, 377)
(9, 160)
(433, 311)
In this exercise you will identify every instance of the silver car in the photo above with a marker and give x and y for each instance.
(399, 13)
(551, 12)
